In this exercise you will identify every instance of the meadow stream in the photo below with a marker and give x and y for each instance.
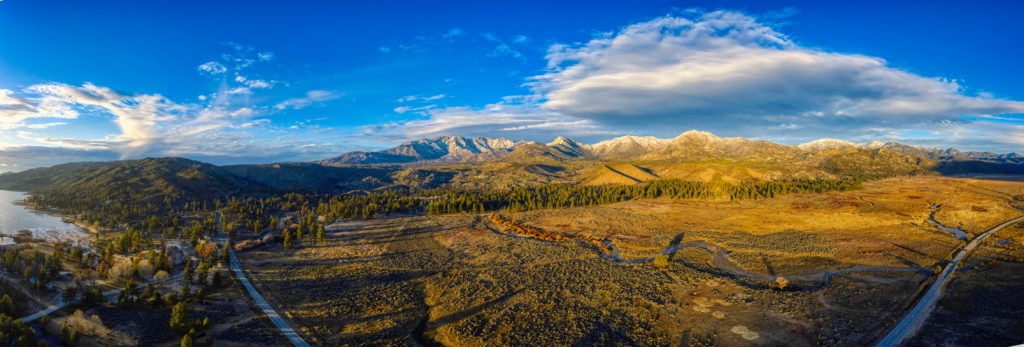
(960, 234)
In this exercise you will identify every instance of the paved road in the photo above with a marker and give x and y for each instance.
(263, 304)
(61, 304)
(913, 319)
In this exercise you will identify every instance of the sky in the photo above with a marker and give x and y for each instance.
(260, 82)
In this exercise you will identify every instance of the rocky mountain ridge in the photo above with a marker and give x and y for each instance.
(689, 146)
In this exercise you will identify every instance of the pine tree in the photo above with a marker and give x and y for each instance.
(287, 239)
(181, 320)
(188, 271)
(320, 234)
(225, 257)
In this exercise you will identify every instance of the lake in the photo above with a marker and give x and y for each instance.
(14, 218)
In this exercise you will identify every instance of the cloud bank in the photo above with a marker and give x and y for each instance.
(722, 69)
(731, 73)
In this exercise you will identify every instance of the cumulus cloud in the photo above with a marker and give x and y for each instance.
(312, 97)
(727, 70)
(213, 68)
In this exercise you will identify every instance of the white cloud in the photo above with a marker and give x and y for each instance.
(726, 71)
(148, 123)
(521, 39)
(16, 108)
(213, 68)
(255, 84)
(265, 56)
(255, 123)
(313, 96)
(384, 49)
(239, 91)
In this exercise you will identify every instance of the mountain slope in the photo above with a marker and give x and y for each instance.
(142, 180)
(313, 177)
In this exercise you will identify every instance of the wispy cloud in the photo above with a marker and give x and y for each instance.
(312, 97)
(502, 48)
(421, 98)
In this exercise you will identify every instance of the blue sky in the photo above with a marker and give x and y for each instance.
(256, 82)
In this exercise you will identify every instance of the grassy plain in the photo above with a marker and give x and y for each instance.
(452, 280)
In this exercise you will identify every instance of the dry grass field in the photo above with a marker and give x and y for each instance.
(453, 280)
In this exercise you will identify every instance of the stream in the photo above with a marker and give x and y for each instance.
(960, 234)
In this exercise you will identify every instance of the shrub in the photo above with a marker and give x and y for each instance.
(661, 260)
(781, 282)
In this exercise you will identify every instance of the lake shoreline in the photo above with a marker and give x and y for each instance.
(49, 224)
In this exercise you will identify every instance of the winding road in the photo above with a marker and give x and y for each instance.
(279, 322)
(917, 315)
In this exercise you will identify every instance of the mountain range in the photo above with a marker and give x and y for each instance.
(689, 146)
(489, 163)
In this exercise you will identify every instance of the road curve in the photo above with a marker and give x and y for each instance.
(917, 315)
(279, 322)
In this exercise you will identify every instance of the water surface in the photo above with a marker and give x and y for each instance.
(15, 217)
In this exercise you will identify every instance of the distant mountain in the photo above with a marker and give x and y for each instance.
(627, 147)
(942, 160)
(688, 147)
(441, 149)
(569, 147)
(703, 146)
